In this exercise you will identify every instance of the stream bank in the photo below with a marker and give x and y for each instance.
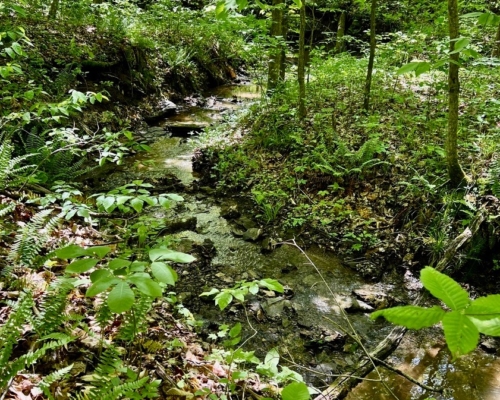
(303, 322)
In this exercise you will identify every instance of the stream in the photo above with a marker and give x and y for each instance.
(303, 323)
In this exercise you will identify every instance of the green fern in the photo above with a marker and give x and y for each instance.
(7, 209)
(10, 172)
(53, 307)
(369, 149)
(108, 383)
(50, 379)
(494, 176)
(31, 238)
(136, 319)
(11, 331)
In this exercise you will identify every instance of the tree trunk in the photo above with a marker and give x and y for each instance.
(302, 61)
(339, 44)
(54, 6)
(276, 54)
(455, 172)
(373, 44)
(284, 33)
(496, 46)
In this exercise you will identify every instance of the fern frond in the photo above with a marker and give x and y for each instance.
(135, 320)
(11, 331)
(7, 209)
(494, 176)
(53, 307)
(55, 376)
(31, 237)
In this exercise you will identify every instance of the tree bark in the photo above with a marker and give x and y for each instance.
(455, 172)
(373, 44)
(496, 46)
(302, 61)
(339, 43)
(54, 6)
(276, 54)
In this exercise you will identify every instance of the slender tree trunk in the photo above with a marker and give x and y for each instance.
(496, 46)
(54, 6)
(373, 44)
(302, 61)
(339, 44)
(455, 172)
(284, 34)
(276, 56)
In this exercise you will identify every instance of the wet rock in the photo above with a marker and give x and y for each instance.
(289, 268)
(246, 222)
(351, 304)
(179, 225)
(274, 308)
(229, 211)
(252, 234)
(267, 246)
(490, 345)
(373, 297)
(184, 296)
(237, 232)
(326, 339)
(166, 109)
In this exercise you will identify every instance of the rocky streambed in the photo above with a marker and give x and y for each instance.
(306, 322)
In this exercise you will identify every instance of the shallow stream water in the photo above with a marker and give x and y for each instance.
(303, 323)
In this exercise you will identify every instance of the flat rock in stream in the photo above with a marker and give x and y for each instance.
(273, 308)
(166, 109)
(373, 296)
(184, 129)
(351, 304)
(252, 234)
(179, 225)
(229, 211)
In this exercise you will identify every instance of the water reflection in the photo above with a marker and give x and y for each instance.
(475, 376)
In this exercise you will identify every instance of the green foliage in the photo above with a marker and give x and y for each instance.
(31, 238)
(226, 296)
(10, 333)
(461, 325)
(133, 197)
(112, 380)
(120, 279)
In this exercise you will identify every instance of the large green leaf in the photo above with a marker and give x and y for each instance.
(118, 263)
(71, 251)
(146, 285)
(272, 284)
(101, 285)
(223, 299)
(295, 391)
(485, 307)
(137, 204)
(82, 265)
(490, 326)
(99, 251)
(412, 317)
(164, 273)
(460, 333)
(167, 254)
(121, 298)
(408, 67)
(444, 288)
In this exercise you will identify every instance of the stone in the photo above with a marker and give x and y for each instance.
(229, 211)
(246, 222)
(179, 225)
(252, 234)
(273, 308)
(377, 300)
